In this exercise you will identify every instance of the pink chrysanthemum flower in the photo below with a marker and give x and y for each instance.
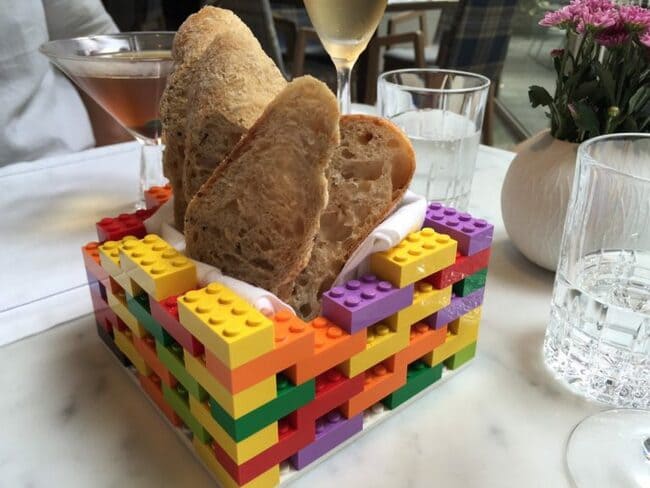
(612, 38)
(597, 20)
(562, 18)
(645, 39)
(635, 18)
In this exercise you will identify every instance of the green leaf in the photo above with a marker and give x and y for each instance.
(607, 81)
(539, 96)
(587, 120)
(589, 89)
(629, 125)
(639, 99)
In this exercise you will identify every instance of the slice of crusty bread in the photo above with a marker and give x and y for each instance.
(233, 82)
(191, 40)
(258, 214)
(368, 175)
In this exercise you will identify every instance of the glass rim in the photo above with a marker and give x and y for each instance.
(45, 48)
(583, 154)
(485, 85)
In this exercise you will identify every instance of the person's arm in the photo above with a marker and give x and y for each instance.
(76, 18)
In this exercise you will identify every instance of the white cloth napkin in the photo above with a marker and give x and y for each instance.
(407, 217)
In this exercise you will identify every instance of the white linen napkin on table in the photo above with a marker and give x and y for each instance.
(407, 217)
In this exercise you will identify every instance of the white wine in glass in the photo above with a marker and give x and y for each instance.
(345, 28)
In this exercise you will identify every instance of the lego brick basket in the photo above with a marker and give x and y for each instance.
(261, 396)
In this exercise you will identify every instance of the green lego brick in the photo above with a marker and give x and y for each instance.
(139, 306)
(461, 357)
(177, 398)
(172, 358)
(289, 399)
(418, 377)
(470, 284)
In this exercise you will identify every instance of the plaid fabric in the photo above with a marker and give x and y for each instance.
(478, 38)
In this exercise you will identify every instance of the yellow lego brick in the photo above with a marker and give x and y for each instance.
(416, 257)
(466, 332)
(228, 326)
(382, 341)
(268, 479)
(426, 301)
(242, 451)
(157, 267)
(109, 258)
(117, 302)
(238, 404)
(468, 321)
(125, 344)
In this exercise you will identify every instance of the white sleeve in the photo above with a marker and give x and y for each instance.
(76, 18)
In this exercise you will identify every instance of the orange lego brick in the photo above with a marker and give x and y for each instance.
(155, 196)
(146, 346)
(332, 346)
(152, 386)
(380, 381)
(294, 341)
(423, 340)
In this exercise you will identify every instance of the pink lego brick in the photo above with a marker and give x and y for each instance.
(364, 302)
(331, 430)
(473, 235)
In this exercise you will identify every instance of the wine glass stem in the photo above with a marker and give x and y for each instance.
(150, 168)
(343, 94)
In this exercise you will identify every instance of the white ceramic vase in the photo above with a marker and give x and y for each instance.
(535, 196)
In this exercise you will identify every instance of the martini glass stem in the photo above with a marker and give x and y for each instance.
(150, 168)
(343, 78)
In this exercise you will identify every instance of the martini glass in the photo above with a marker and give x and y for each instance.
(125, 74)
(345, 28)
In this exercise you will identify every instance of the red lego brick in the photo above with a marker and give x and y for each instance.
(152, 386)
(463, 267)
(155, 196)
(332, 346)
(295, 432)
(294, 342)
(114, 229)
(104, 315)
(94, 270)
(166, 313)
(146, 346)
(333, 389)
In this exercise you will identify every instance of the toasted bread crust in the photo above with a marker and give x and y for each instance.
(258, 214)
(367, 177)
(191, 40)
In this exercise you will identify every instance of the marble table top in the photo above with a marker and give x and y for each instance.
(73, 418)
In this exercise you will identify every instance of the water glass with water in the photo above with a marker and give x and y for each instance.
(441, 111)
(598, 338)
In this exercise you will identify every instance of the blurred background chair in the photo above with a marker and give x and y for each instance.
(474, 38)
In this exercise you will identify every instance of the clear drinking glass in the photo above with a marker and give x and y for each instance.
(345, 28)
(441, 111)
(126, 74)
(598, 338)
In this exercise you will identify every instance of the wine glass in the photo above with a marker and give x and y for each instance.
(125, 74)
(345, 28)
(610, 448)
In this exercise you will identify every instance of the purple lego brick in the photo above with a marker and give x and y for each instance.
(331, 430)
(459, 306)
(361, 303)
(473, 235)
